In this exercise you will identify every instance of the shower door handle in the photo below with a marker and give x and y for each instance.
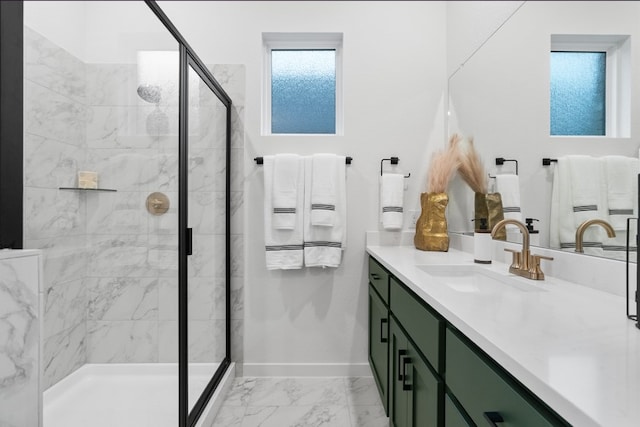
(189, 241)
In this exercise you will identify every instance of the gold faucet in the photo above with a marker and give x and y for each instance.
(583, 227)
(522, 263)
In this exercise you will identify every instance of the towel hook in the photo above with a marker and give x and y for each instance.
(500, 161)
(394, 161)
(547, 161)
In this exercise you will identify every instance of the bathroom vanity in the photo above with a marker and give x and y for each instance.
(453, 343)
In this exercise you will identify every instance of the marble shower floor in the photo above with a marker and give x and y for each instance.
(302, 402)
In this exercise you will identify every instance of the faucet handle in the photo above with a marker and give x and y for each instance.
(516, 260)
(534, 266)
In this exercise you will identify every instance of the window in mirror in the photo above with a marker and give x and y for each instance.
(590, 81)
(578, 93)
(302, 83)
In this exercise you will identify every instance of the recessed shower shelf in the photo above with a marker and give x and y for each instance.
(86, 189)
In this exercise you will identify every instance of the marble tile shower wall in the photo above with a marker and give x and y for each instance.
(20, 331)
(207, 192)
(110, 266)
(55, 221)
(133, 145)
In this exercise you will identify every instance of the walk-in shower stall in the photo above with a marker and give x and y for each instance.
(127, 193)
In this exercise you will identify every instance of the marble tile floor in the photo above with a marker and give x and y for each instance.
(302, 402)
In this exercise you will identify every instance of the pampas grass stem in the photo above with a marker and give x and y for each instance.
(443, 166)
(471, 168)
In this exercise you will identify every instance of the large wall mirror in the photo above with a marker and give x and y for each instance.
(500, 94)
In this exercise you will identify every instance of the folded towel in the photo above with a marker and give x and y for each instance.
(585, 173)
(323, 189)
(588, 190)
(562, 228)
(621, 175)
(391, 200)
(287, 183)
(508, 185)
(616, 247)
(283, 248)
(323, 245)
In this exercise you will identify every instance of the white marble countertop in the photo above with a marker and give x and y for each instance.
(571, 345)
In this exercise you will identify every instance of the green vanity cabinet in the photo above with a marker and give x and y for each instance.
(379, 328)
(416, 392)
(432, 375)
(452, 415)
(379, 344)
(485, 390)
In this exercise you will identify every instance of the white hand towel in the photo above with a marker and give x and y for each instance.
(555, 212)
(391, 200)
(283, 248)
(585, 186)
(622, 189)
(616, 247)
(588, 199)
(562, 231)
(323, 189)
(323, 245)
(287, 183)
(508, 185)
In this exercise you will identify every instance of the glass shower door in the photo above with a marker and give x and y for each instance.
(207, 198)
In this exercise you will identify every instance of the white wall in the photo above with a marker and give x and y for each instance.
(501, 97)
(470, 24)
(62, 22)
(394, 87)
(99, 31)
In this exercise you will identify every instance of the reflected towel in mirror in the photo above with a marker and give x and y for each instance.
(508, 185)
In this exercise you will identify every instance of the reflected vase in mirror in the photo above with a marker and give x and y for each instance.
(489, 206)
(431, 227)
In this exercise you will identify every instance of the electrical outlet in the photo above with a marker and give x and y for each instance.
(413, 218)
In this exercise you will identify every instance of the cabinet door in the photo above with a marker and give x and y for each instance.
(398, 398)
(379, 344)
(422, 324)
(415, 392)
(423, 390)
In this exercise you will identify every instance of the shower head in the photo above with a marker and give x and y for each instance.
(150, 93)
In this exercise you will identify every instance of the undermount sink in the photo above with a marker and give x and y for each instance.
(471, 278)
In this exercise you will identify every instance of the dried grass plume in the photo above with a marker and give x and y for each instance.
(444, 164)
(471, 168)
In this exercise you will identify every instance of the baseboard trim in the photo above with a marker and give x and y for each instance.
(306, 370)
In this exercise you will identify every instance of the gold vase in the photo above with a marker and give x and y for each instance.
(431, 227)
(496, 214)
(480, 209)
(489, 206)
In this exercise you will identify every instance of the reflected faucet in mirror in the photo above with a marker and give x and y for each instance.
(523, 263)
(586, 224)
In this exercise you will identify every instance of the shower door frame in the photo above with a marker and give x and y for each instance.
(188, 58)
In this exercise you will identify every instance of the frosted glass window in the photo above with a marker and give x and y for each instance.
(303, 91)
(578, 95)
